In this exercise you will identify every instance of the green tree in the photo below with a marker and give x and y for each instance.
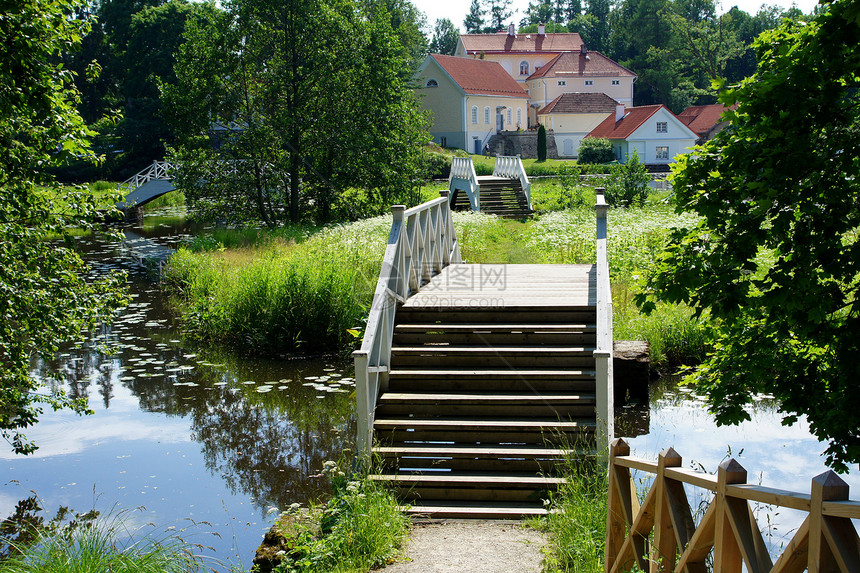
(46, 295)
(474, 22)
(775, 260)
(628, 183)
(498, 12)
(311, 99)
(445, 37)
(540, 12)
(541, 143)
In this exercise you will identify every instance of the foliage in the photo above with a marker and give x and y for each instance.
(304, 118)
(628, 183)
(576, 524)
(474, 22)
(91, 543)
(46, 294)
(541, 144)
(571, 186)
(775, 257)
(596, 150)
(360, 528)
(445, 37)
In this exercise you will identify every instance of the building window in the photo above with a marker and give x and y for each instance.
(519, 116)
(562, 82)
(432, 84)
(474, 114)
(662, 152)
(443, 141)
(589, 82)
(616, 82)
(524, 68)
(510, 115)
(486, 115)
(662, 127)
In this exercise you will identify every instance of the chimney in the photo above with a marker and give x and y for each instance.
(541, 29)
(583, 50)
(511, 30)
(619, 112)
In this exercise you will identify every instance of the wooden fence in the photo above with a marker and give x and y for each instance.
(661, 535)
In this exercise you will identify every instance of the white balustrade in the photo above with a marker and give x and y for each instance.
(422, 242)
(511, 167)
(603, 353)
(463, 174)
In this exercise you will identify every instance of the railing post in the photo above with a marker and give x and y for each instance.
(603, 355)
(829, 487)
(727, 554)
(620, 510)
(364, 439)
(663, 549)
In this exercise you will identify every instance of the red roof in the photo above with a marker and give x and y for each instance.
(702, 118)
(572, 64)
(580, 103)
(633, 118)
(521, 43)
(480, 77)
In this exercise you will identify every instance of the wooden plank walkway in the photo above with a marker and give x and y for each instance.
(476, 286)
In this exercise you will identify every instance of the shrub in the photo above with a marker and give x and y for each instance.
(541, 143)
(596, 150)
(571, 186)
(628, 183)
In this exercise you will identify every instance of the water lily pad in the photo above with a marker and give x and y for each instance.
(263, 389)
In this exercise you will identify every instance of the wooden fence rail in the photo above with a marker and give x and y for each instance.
(421, 243)
(660, 534)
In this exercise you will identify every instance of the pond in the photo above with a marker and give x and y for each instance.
(185, 433)
(188, 434)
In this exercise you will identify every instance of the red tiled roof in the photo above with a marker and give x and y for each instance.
(480, 77)
(634, 117)
(572, 64)
(521, 43)
(580, 103)
(702, 118)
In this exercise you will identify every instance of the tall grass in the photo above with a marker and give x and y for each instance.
(282, 296)
(576, 524)
(361, 528)
(105, 544)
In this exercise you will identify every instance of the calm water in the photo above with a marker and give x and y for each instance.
(224, 439)
(180, 431)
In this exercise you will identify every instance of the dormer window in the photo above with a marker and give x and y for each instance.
(662, 127)
(616, 82)
(589, 82)
(524, 68)
(562, 82)
(432, 84)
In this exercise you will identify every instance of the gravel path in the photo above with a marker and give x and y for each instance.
(453, 546)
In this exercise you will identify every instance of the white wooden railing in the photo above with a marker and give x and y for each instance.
(511, 166)
(463, 175)
(422, 242)
(604, 347)
(158, 170)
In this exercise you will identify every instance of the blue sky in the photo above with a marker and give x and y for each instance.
(456, 10)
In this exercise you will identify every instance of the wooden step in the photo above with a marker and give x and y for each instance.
(449, 315)
(486, 431)
(392, 404)
(414, 458)
(494, 357)
(465, 510)
(470, 487)
(492, 334)
(475, 380)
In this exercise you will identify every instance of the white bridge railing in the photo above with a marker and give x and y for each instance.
(422, 242)
(158, 170)
(603, 353)
(511, 167)
(463, 178)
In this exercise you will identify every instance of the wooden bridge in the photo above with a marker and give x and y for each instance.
(474, 381)
(147, 185)
(506, 193)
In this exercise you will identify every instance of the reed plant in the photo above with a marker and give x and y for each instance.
(104, 544)
(576, 523)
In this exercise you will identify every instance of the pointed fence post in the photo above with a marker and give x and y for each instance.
(833, 542)
(663, 550)
(727, 555)
(620, 510)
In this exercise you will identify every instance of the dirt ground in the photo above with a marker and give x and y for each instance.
(470, 546)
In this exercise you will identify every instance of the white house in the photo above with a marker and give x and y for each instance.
(470, 100)
(572, 116)
(652, 131)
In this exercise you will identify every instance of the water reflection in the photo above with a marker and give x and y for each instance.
(180, 430)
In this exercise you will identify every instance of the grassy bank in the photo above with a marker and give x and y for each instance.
(303, 288)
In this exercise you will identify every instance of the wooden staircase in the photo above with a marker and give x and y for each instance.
(481, 404)
(500, 196)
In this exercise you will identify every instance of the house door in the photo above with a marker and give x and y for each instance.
(568, 147)
(477, 146)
